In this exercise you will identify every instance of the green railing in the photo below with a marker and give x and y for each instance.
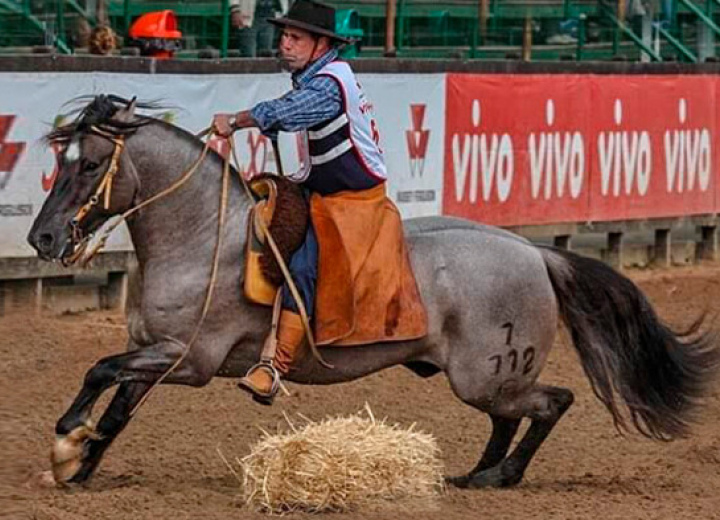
(677, 33)
(423, 28)
(26, 23)
(208, 23)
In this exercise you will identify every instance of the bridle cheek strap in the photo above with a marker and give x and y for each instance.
(104, 189)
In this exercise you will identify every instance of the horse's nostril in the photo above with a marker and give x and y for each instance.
(45, 242)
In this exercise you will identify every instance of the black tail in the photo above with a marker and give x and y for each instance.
(626, 351)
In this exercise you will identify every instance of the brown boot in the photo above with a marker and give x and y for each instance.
(262, 380)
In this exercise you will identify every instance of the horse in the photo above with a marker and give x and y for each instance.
(494, 303)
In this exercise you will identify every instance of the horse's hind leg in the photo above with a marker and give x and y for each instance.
(503, 432)
(543, 405)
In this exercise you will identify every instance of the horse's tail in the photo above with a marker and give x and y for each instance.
(628, 354)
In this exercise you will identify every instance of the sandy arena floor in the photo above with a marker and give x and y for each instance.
(165, 464)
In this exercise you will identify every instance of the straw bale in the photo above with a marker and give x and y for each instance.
(340, 464)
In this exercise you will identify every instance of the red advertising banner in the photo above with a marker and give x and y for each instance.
(539, 149)
(652, 139)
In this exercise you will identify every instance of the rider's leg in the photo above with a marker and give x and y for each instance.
(291, 331)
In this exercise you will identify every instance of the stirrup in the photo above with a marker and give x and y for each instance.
(257, 395)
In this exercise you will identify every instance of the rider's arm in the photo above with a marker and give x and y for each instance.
(243, 119)
(318, 101)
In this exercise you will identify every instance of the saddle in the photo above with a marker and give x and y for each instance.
(285, 212)
(366, 289)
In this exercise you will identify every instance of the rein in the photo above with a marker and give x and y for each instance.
(104, 191)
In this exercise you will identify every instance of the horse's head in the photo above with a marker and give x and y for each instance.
(95, 181)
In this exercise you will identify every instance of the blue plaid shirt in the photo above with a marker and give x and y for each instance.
(313, 100)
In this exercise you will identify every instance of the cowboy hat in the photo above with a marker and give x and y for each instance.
(311, 16)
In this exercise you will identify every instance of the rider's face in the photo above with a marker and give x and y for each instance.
(298, 48)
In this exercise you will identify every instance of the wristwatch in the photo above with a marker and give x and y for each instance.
(232, 123)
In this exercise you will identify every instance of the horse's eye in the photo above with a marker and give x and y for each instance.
(89, 167)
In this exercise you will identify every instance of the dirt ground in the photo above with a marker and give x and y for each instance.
(165, 464)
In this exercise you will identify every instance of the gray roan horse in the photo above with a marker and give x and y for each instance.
(493, 302)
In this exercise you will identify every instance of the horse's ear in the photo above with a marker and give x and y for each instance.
(128, 113)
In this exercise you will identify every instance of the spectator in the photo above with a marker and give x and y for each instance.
(102, 40)
(256, 34)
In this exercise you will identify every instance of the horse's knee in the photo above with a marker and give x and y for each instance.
(196, 374)
(101, 375)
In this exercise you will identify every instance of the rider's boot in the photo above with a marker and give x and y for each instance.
(263, 379)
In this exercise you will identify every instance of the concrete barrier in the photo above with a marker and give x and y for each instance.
(28, 285)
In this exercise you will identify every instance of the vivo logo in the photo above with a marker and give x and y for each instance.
(557, 160)
(484, 161)
(625, 159)
(687, 155)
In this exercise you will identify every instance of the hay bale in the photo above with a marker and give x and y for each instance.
(340, 464)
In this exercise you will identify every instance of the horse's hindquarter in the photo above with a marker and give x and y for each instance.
(481, 287)
(491, 308)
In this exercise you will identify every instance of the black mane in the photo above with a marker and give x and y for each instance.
(99, 113)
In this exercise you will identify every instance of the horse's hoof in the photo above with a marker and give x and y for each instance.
(68, 452)
(66, 459)
(46, 479)
(461, 482)
(497, 477)
(41, 480)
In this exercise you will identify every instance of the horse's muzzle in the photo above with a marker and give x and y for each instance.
(49, 246)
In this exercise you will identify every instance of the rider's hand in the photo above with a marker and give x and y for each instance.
(224, 124)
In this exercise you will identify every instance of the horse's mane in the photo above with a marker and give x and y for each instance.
(99, 113)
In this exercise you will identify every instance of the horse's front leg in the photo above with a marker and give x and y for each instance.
(78, 446)
(90, 451)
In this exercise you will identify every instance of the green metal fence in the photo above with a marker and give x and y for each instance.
(558, 29)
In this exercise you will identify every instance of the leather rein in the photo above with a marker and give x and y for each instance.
(83, 256)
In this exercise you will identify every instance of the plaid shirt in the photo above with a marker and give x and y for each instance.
(313, 100)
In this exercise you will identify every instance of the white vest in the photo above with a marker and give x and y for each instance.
(363, 133)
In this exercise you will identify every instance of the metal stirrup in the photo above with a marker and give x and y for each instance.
(266, 365)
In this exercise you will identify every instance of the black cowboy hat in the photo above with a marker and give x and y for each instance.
(311, 16)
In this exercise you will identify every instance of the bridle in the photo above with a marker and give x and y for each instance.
(104, 192)
(80, 241)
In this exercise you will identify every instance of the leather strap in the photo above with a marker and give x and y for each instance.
(270, 346)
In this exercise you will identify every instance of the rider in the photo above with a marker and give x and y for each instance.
(328, 103)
